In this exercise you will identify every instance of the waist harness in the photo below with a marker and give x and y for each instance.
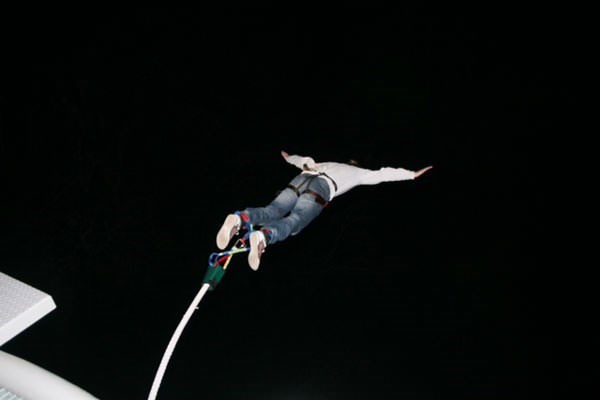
(318, 198)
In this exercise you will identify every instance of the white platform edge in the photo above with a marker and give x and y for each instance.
(22, 306)
(32, 312)
(32, 382)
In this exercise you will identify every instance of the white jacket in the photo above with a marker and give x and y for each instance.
(348, 176)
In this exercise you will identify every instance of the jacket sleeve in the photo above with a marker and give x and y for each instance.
(300, 161)
(387, 174)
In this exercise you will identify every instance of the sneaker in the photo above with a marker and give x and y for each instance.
(230, 228)
(257, 247)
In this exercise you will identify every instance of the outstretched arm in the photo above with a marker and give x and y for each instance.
(298, 161)
(422, 171)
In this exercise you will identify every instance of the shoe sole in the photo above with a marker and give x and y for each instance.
(227, 231)
(254, 256)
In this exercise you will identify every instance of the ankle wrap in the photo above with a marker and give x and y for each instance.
(246, 225)
(268, 234)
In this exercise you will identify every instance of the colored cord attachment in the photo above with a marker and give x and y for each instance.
(218, 262)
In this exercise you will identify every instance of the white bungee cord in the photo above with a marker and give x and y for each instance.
(167, 355)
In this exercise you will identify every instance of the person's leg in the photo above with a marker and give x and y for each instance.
(305, 210)
(281, 205)
(278, 208)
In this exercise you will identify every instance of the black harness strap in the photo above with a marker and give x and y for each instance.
(330, 178)
(318, 198)
(295, 189)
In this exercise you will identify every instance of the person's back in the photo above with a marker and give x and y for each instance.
(347, 177)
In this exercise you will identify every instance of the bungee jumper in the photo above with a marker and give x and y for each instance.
(300, 202)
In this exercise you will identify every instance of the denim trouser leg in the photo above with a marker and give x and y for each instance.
(305, 210)
(302, 210)
(280, 206)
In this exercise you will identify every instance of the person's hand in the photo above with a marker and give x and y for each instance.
(422, 171)
(284, 154)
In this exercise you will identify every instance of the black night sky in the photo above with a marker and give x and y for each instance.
(127, 137)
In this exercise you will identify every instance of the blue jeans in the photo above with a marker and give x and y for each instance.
(288, 213)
